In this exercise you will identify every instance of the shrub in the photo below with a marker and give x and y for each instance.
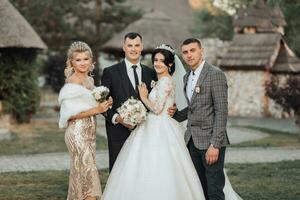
(286, 94)
(19, 83)
(54, 71)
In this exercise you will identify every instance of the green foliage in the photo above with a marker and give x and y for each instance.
(214, 26)
(290, 9)
(61, 22)
(286, 94)
(54, 71)
(234, 4)
(19, 83)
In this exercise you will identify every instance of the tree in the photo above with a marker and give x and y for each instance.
(290, 9)
(214, 26)
(19, 82)
(59, 22)
(286, 94)
(233, 5)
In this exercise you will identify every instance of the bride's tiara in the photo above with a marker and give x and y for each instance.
(166, 47)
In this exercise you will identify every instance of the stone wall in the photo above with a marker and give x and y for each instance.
(246, 95)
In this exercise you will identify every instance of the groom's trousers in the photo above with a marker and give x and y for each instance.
(211, 176)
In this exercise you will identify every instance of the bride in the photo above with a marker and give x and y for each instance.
(154, 162)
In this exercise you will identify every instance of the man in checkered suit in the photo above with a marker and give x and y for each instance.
(205, 88)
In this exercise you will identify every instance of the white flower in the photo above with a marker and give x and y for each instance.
(101, 93)
(133, 111)
(152, 84)
(197, 89)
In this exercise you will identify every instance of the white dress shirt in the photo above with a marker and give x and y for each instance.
(130, 74)
(192, 80)
(130, 71)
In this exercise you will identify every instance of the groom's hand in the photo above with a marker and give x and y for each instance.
(212, 155)
(172, 110)
(120, 120)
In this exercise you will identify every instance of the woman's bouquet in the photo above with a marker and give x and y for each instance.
(133, 111)
(101, 93)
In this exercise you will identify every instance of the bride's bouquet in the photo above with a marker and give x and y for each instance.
(101, 93)
(133, 111)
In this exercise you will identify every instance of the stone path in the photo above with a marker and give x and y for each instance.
(60, 161)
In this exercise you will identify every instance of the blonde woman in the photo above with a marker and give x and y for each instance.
(77, 115)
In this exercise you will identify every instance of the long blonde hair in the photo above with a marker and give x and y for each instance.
(77, 47)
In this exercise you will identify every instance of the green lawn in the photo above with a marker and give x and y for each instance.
(39, 137)
(272, 181)
(49, 185)
(276, 139)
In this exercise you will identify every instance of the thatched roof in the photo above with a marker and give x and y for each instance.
(286, 61)
(214, 48)
(260, 52)
(179, 10)
(260, 16)
(155, 28)
(15, 31)
(164, 21)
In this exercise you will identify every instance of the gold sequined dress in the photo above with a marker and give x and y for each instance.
(80, 138)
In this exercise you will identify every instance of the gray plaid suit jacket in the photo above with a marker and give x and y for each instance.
(208, 109)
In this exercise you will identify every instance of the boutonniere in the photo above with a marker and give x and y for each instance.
(197, 89)
(153, 83)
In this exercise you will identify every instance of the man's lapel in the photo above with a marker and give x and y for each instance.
(185, 81)
(200, 80)
(127, 86)
(145, 78)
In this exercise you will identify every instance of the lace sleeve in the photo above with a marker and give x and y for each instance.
(159, 96)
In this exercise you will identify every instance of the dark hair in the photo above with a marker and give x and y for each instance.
(191, 40)
(132, 35)
(169, 58)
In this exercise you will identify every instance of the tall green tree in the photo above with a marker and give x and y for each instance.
(59, 22)
(213, 26)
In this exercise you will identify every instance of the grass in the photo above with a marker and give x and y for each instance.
(275, 139)
(49, 185)
(38, 137)
(276, 181)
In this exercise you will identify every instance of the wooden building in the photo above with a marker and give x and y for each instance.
(257, 52)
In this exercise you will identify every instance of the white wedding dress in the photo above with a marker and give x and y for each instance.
(154, 163)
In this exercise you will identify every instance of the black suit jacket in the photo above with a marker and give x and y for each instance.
(116, 79)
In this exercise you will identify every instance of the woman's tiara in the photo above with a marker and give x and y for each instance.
(166, 47)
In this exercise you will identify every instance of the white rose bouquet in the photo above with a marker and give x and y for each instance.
(101, 93)
(133, 111)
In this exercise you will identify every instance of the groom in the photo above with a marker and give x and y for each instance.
(122, 80)
(205, 88)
